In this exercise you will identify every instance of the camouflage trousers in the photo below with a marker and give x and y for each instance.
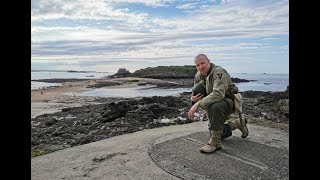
(217, 114)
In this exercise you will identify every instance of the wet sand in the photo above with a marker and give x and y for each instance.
(50, 100)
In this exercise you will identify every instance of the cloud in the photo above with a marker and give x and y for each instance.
(186, 6)
(94, 31)
(82, 10)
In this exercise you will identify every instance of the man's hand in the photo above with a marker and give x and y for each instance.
(192, 110)
(196, 98)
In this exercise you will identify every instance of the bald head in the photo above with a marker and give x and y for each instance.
(201, 56)
(202, 63)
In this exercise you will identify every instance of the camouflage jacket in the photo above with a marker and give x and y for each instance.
(218, 83)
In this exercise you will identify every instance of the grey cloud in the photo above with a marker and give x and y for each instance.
(133, 42)
(101, 62)
(78, 47)
(123, 60)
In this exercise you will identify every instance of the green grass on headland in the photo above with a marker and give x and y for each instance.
(187, 71)
(173, 72)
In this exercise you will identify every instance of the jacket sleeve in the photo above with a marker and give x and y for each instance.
(196, 78)
(219, 88)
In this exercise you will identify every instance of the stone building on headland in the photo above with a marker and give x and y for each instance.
(122, 72)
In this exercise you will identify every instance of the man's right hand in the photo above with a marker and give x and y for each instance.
(196, 98)
(192, 110)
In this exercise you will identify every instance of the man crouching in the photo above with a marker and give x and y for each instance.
(218, 102)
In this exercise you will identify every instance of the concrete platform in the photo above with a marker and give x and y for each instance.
(171, 153)
(238, 159)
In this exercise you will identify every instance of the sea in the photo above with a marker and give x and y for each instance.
(258, 82)
(262, 82)
(52, 74)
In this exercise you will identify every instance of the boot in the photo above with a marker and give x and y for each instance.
(236, 124)
(214, 143)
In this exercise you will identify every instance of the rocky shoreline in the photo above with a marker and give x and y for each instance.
(100, 118)
(115, 116)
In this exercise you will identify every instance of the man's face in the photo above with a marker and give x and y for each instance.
(202, 65)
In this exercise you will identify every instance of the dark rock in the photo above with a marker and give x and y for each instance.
(51, 121)
(81, 125)
(238, 80)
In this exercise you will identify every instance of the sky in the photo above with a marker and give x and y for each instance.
(242, 36)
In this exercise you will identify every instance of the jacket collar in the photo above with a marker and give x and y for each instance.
(212, 67)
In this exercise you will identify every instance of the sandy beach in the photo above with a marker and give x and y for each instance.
(50, 100)
(54, 99)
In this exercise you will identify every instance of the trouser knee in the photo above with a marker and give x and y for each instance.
(217, 114)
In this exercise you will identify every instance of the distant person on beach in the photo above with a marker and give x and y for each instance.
(213, 91)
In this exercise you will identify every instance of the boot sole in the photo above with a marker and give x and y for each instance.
(218, 148)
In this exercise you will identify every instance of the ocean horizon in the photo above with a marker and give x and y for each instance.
(266, 82)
